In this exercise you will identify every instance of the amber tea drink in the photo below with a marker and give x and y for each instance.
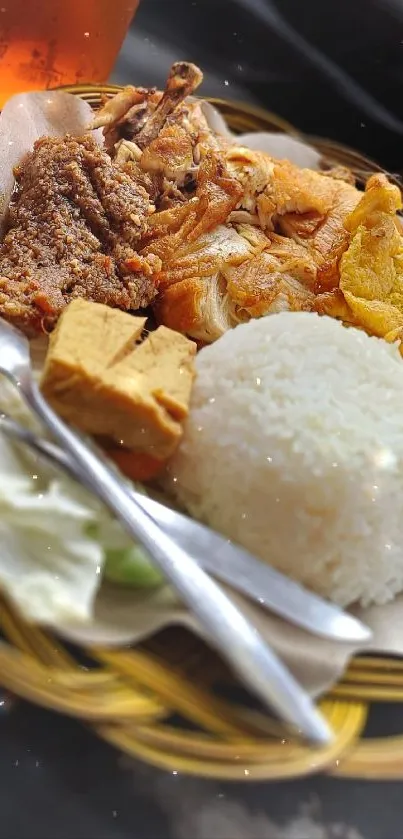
(46, 43)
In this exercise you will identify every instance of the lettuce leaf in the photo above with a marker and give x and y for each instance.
(131, 567)
(55, 538)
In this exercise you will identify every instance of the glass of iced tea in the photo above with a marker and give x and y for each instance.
(46, 43)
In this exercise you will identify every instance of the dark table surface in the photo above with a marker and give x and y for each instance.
(60, 782)
(333, 69)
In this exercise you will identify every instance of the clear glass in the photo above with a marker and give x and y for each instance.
(45, 43)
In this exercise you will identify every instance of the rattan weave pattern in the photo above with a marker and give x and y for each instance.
(163, 701)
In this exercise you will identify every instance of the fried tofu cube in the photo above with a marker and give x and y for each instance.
(100, 377)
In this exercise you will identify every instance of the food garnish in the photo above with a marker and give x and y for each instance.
(56, 538)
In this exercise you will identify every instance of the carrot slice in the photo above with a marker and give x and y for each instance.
(137, 466)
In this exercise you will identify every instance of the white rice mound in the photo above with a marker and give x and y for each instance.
(294, 449)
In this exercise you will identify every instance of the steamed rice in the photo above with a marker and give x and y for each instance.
(294, 449)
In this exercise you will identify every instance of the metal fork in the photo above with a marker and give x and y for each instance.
(226, 627)
(218, 556)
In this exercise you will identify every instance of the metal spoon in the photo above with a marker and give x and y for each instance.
(226, 627)
(221, 558)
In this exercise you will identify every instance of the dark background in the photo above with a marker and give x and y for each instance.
(333, 68)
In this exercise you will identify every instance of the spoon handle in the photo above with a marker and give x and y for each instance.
(218, 556)
(226, 627)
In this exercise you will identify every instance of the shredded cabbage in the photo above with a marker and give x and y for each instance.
(55, 538)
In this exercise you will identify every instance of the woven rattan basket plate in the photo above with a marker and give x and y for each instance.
(163, 701)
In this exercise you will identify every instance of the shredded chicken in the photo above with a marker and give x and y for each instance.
(139, 114)
(306, 235)
(340, 173)
(212, 233)
(216, 195)
(183, 80)
(125, 114)
(307, 206)
(288, 271)
(193, 296)
(164, 133)
(231, 275)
